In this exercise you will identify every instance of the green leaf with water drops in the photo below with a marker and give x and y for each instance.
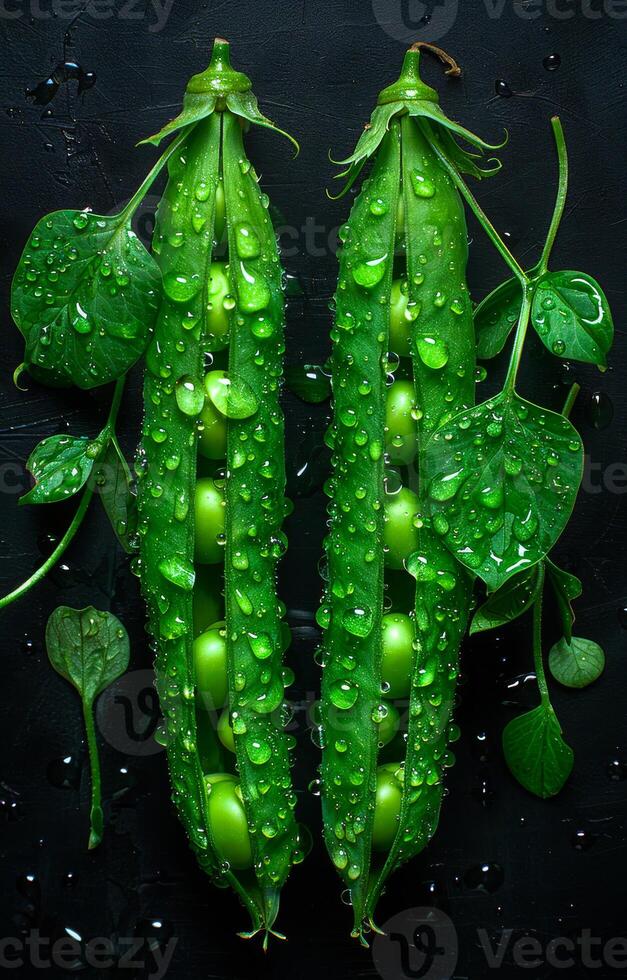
(577, 663)
(308, 382)
(61, 466)
(84, 296)
(90, 649)
(232, 396)
(495, 318)
(507, 603)
(537, 755)
(503, 478)
(113, 483)
(572, 317)
(566, 588)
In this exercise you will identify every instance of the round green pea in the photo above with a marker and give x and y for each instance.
(228, 823)
(389, 726)
(209, 512)
(387, 810)
(397, 654)
(218, 288)
(399, 534)
(225, 732)
(400, 332)
(210, 670)
(400, 426)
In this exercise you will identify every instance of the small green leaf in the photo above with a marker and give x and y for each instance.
(566, 588)
(495, 318)
(84, 296)
(90, 649)
(308, 382)
(503, 478)
(61, 466)
(578, 663)
(113, 483)
(507, 603)
(572, 317)
(537, 755)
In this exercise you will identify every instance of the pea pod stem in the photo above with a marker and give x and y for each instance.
(152, 175)
(481, 216)
(86, 497)
(560, 199)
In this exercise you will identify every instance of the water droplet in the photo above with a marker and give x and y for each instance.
(552, 61)
(190, 396)
(370, 273)
(358, 620)
(422, 186)
(343, 694)
(502, 88)
(179, 287)
(433, 352)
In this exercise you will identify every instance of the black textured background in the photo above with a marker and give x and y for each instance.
(550, 869)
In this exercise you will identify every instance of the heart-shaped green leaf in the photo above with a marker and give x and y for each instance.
(90, 649)
(507, 603)
(495, 318)
(572, 318)
(503, 478)
(578, 663)
(61, 466)
(85, 295)
(537, 755)
(566, 588)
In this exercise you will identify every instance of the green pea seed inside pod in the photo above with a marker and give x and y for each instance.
(209, 521)
(397, 640)
(220, 303)
(227, 820)
(400, 534)
(387, 809)
(399, 422)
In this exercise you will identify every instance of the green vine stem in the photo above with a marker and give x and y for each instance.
(519, 339)
(40, 573)
(96, 816)
(537, 638)
(571, 399)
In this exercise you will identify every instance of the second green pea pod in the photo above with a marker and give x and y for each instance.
(396, 603)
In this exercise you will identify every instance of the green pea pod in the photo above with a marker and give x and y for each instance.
(237, 809)
(380, 809)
